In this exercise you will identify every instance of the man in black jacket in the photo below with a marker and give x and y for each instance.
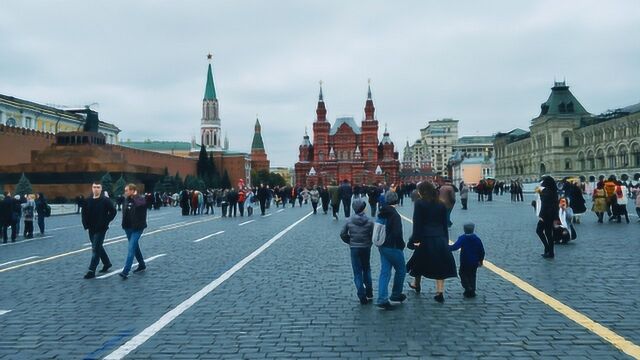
(96, 216)
(6, 217)
(345, 195)
(263, 194)
(134, 221)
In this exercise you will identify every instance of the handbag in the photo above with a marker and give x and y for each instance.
(379, 232)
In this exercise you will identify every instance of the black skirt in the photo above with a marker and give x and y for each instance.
(432, 259)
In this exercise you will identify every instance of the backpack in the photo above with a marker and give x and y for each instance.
(47, 210)
(379, 232)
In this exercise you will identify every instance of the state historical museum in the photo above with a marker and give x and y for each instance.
(346, 151)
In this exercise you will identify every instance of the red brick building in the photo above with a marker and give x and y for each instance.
(346, 150)
(259, 159)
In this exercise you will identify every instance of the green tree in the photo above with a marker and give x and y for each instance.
(226, 182)
(178, 183)
(203, 164)
(24, 186)
(118, 188)
(276, 180)
(107, 183)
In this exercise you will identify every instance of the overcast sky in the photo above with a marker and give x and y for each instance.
(489, 64)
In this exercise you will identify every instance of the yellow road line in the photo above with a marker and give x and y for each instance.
(605, 333)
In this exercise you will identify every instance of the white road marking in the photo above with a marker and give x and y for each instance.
(26, 241)
(246, 222)
(64, 227)
(281, 210)
(167, 318)
(2, 312)
(107, 242)
(135, 264)
(208, 236)
(19, 260)
(267, 215)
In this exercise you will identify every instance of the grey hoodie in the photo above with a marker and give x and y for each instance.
(358, 230)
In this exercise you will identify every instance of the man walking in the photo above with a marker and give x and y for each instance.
(346, 193)
(263, 194)
(96, 216)
(134, 221)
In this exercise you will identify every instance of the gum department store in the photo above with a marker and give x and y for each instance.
(566, 140)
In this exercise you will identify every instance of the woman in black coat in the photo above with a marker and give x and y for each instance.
(431, 258)
(547, 211)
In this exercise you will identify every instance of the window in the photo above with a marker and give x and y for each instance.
(27, 122)
(570, 107)
(567, 141)
(562, 108)
(567, 164)
(11, 122)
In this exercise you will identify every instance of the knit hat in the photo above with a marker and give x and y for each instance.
(469, 228)
(358, 205)
(391, 197)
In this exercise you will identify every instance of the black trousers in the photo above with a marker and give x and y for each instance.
(97, 250)
(545, 233)
(241, 208)
(325, 206)
(263, 205)
(335, 208)
(5, 230)
(314, 205)
(468, 277)
(464, 204)
(224, 209)
(346, 204)
(28, 229)
(233, 209)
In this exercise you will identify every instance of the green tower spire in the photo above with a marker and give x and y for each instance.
(210, 90)
(257, 137)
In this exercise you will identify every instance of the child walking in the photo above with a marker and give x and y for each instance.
(471, 257)
(357, 232)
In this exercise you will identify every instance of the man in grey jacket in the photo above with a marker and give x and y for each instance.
(357, 232)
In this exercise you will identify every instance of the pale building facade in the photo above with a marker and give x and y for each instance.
(25, 114)
(438, 138)
(566, 140)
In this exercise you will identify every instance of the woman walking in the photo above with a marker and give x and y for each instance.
(599, 201)
(547, 212)
(430, 239)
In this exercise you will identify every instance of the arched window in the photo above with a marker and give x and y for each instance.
(320, 155)
(600, 159)
(570, 107)
(567, 164)
(611, 158)
(11, 122)
(635, 154)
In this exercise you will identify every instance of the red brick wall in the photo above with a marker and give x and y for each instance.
(16, 144)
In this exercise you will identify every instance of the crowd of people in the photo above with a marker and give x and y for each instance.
(25, 208)
(558, 205)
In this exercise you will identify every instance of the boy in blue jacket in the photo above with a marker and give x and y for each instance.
(471, 257)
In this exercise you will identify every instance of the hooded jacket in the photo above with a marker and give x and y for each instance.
(393, 230)
(358, 230)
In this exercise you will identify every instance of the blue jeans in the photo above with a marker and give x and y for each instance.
(133, 236)
(389, 258)
(360, 262)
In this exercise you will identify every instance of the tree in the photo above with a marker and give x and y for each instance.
(118, 188)
(202, 164)
(225, 183)
(24, 186)
(177, 181)
(107, 183)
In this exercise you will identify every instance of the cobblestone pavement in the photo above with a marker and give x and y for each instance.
(297, 300)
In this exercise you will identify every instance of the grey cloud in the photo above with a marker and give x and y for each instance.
(488, 64)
